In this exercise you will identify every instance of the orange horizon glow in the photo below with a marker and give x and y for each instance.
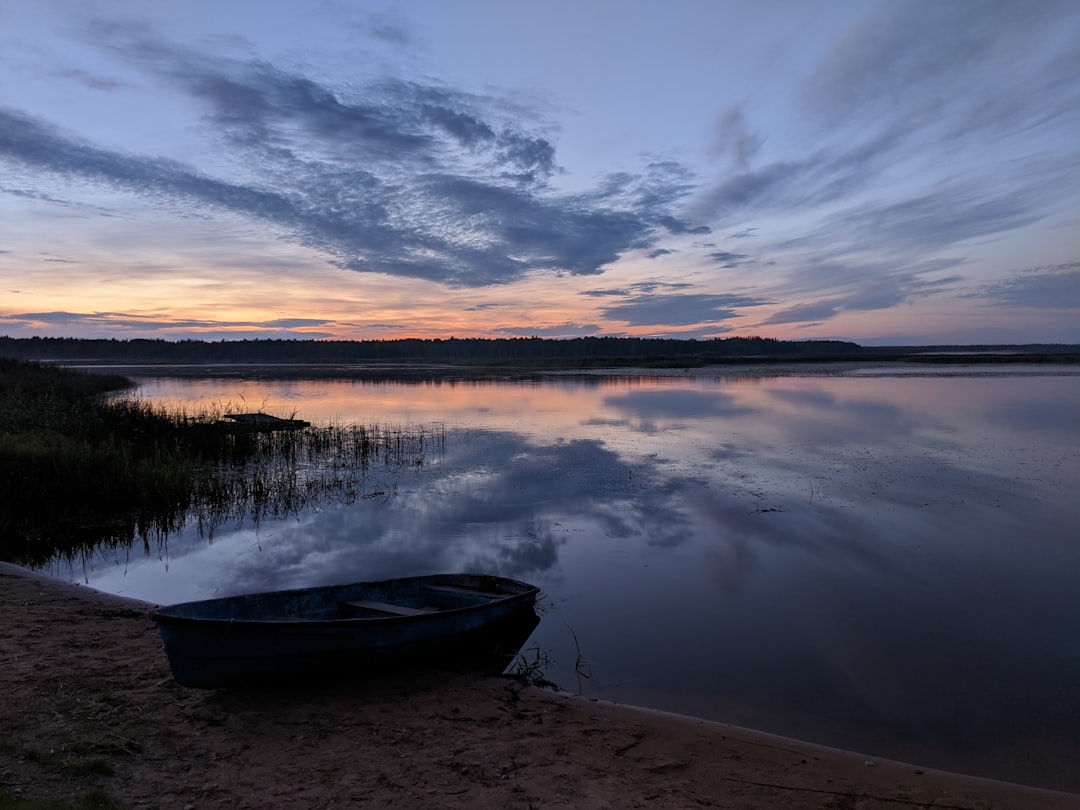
(249, 303)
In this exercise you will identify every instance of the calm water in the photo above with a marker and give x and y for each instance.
(869, 559)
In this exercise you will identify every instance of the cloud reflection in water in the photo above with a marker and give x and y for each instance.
(873, 562)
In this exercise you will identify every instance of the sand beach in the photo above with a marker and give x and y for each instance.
(89, 712)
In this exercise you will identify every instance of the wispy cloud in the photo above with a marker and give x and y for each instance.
(963, 68)
(387, 26)
(953, 81)
(91, 80)
(814, 312)
(824, 176)
(953, 212)
(727, 259)
(830, 287)
(122, 322)
(561, 330)
(637, 289)
(395, 177)
(679, 310)
(734, 137)
(1056, 287)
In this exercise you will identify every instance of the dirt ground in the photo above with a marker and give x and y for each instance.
(88, 710)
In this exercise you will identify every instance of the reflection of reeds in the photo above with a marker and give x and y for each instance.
(78, 470)
(270, 474)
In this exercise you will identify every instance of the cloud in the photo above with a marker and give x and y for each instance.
(640, 288)
(678, 226)
(1055, 287)
(836, 286)
(960, 80)
(33, 194)
(726, 259)
(292, 323)
(388, 26)
(891, 289)
(123, 321)
(878, 253)
(960, 67)
(41, 146)
(816, 311)
(745, 233)
(947, 214)
(397, 177)
(94, 82)
(823, 176)
(678, 310)
(562, 330)
(827, 286)
(734, 138)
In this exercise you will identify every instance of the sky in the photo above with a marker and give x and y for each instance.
(881, 171)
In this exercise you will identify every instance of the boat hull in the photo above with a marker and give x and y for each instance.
(336, 629)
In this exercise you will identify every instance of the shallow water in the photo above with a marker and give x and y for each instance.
(875, 558)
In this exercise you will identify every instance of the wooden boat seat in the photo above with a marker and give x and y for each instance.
(384, 607)
(457, 589)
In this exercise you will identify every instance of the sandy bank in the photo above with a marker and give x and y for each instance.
(86, 702)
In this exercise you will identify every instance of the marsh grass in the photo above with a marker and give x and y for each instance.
(530, 668)
(582, 668)
(82, 467)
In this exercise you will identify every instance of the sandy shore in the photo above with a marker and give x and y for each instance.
(87, 707)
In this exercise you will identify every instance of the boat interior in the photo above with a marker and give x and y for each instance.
(428, 599)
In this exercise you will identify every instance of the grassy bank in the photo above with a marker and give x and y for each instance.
(82, 466)
(71, 459)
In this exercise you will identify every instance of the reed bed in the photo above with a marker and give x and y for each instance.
(82, 467)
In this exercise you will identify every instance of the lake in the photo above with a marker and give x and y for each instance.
(882, 558)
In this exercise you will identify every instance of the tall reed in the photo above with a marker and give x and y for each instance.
(80, 469)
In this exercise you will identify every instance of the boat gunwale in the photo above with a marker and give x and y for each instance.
(161, 615)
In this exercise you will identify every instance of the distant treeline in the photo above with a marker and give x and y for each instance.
(411, 350)
(585, 351)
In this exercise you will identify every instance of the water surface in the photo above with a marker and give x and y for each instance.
(882, 559)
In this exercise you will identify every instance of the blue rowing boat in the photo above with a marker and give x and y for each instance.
(239, 640)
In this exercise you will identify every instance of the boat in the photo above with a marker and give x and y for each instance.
(327, 630)
(264, 422)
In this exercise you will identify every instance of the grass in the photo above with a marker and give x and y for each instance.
(81, 466)
(530, 667)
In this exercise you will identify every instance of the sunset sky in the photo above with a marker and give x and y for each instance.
(884, 172)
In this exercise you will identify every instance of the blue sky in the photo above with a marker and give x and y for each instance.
(884, 172)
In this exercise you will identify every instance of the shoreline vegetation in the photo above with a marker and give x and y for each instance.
(92, 721)
(83, 467)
